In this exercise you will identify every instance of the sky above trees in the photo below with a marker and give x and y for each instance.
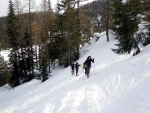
(4, 5)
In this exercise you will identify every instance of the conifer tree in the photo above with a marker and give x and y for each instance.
(125, 24)
(45, 43)
(13, 42)
(68, 29)
(59, 44)
(26, 55)
(77, 32)
(43, 63)
(144, 36)
(24, 76)
(107, 21)
(31, 55)
(50, 27)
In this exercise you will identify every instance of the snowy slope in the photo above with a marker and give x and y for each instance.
(117, 84)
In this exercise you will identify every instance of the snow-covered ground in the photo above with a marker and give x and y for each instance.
(117, 84)
(5, 53)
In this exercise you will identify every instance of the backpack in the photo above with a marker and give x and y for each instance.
(84, 65)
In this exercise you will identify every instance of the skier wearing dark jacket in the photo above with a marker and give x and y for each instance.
(72, 68)
(77, 68)
(88, 65)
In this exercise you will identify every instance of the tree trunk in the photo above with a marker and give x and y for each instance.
(31, 42)
(69, 33)
(107, 21)
(23, 62)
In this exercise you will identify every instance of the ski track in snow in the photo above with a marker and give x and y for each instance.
(117, 84)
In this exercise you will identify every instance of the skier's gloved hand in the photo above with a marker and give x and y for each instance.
(93, 60)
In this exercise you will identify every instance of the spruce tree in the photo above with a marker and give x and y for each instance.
(32, 53)
(13, 42)
(26, 55)
(76, 34)
(22, 53)
(125, 24)
(144, 36)
(68, 30)
(59, 44)
(44, 63)
(43, 59)
(107, 21)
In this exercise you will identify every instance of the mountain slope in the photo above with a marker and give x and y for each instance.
(117, 84)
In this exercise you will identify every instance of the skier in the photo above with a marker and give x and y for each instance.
(88, 65)
(72, 68)
(77, 68)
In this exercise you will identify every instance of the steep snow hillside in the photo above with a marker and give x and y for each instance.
(117, 84)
